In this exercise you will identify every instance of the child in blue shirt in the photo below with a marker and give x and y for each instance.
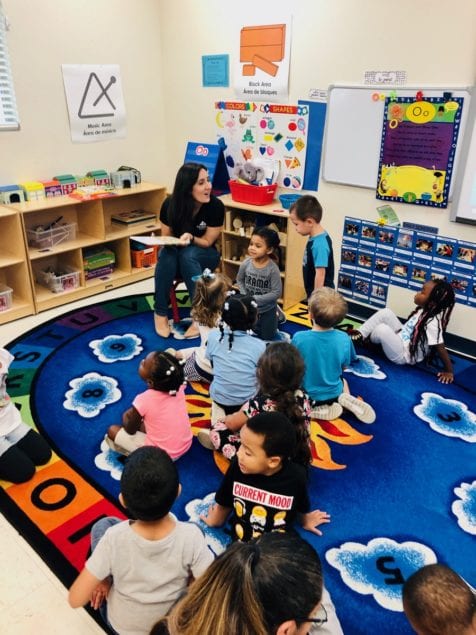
(234, 354)
(326, 352)
(318, 260)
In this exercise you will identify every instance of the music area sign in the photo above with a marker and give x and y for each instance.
(95, 102)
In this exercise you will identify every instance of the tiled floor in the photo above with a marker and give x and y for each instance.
(32, 599)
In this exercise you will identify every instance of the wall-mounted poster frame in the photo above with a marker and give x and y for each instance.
(353, 131)
(419, 140)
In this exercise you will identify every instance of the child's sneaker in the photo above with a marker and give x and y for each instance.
(115, 447)
(328, 412)
(204, 438)
(362, 410)
(355, 336)
(281, 315)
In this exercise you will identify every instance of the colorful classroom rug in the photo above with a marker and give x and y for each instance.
(401, 492)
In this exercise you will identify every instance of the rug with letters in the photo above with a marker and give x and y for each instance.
(401, 492)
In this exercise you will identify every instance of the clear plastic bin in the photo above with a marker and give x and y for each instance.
(60, 281)
(6, 295)
(42, 238)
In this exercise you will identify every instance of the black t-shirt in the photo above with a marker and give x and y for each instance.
(210, 214)
(263, 503)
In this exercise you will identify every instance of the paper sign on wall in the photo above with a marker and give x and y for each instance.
(95, 102)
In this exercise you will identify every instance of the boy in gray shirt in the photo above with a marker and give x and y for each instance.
(142, 566)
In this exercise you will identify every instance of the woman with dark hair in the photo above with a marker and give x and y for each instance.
(194, 216)
(272, 586)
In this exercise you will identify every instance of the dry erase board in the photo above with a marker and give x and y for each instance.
(464, 204)
(353, 131)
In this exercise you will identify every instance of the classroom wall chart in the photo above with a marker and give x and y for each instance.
(418, 148)
(374, 256)
(275, 134)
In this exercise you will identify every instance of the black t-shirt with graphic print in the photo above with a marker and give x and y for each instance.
(210, 214)
(263, 503)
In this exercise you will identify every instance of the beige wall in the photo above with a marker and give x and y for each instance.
(159, 44)
(47, 33)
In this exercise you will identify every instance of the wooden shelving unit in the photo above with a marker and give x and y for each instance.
(14, 272)
(234, 242)
(94, 228)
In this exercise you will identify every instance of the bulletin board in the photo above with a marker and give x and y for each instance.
(353, 130)
(464, 204)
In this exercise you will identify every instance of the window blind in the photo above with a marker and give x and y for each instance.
(8, 107)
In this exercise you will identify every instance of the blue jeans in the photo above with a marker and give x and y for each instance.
(184, 262)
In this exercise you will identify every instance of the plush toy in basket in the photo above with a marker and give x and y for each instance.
(249, 172)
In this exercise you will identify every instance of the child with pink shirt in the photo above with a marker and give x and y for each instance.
(158, 415)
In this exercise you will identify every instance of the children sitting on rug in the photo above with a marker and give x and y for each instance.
(421, 335)
(264, 487)
(21, 447)
(280, 372)
(326, 352)
(234, 355)
(318, 260)
(158, 416)
(139, 568)
(259, 277)
(437, 601)
(210, 294)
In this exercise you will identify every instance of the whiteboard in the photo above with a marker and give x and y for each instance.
(464, 205)
(353, 131)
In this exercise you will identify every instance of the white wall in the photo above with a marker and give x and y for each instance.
(159, 44)
(45, 34)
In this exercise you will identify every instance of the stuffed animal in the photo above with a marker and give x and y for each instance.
(249, 173)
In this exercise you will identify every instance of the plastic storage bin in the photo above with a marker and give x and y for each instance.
(145, 257)
(252, 194)
(6, 295)
(287, 200)
(44, 238)
(65, 279)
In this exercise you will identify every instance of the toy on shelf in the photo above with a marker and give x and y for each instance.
(248, 172)
(11, 194)
(101, 177)
(34, 190)
(52, 188)
(136, 175)
(68, 182)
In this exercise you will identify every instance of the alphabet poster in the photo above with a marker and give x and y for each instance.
(274, 135)
(418, 147)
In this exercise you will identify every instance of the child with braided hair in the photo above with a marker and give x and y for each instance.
(234, 353)
(158, 416)
(421, 335)
(280, 373)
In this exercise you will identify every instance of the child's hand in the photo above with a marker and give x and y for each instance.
(313, 519)
(215, 515)
(100, 593)
(445, 377)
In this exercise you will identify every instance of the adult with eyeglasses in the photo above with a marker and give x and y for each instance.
(269, 586)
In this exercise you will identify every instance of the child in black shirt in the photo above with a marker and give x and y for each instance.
(263, 487)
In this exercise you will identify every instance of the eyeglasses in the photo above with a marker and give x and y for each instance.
(318, 621)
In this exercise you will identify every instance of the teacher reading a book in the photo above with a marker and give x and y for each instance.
(195, 217)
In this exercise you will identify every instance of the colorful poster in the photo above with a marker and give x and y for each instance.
(262, 70)
(271, 135)
(417, 150)
(375, 256)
